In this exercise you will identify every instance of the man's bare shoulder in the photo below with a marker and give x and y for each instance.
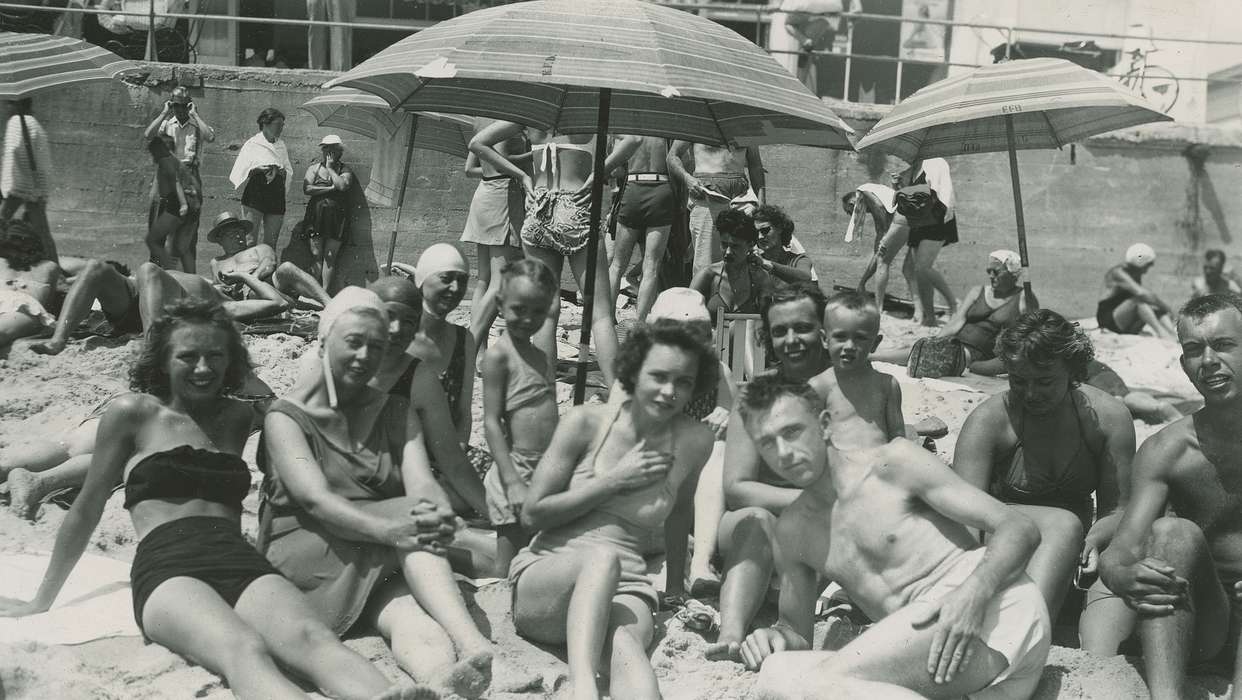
(802, 523)
(1173, 450)
(904, 461)
(824, 382)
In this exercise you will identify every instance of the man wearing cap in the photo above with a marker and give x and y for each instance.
(645, 216)
(327, 183)
(1128, 306)
(722, 174)
(181, 122)
(230, 232)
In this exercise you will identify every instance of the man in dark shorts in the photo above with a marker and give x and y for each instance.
(721, 174)
(645, 216)
(1183, 574)
(113, 287)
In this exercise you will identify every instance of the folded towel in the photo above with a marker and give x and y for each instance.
(95, 603)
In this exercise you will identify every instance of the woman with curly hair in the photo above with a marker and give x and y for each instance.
(609, 480)
(199, 588)
(1049, 444)
(27, 283)
(779, 253)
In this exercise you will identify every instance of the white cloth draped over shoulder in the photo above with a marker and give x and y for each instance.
(258, 152)
(937, 172)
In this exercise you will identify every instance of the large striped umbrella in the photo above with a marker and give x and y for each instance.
(31, 63)
(365, 114)
(1024, 104)
(591, 66)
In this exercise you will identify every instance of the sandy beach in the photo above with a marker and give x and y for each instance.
(45, 396)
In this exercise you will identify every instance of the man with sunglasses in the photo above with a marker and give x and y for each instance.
(180, 121)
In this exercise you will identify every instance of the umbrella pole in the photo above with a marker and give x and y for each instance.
(1017, 207)
(405, 179)
(592, 249)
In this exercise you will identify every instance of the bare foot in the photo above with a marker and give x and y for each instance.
(48, 347)
(584, 690)
(23, 493)
(408, 691)
(469, 677)
(724, 650)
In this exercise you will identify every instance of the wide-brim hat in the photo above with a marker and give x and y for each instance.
(225, 221)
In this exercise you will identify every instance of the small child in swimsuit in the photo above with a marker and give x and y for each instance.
(519, 400)
(852, 387)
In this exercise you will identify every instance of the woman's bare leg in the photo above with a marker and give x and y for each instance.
(1052, 565)
(924, 272)
(419, 644)
(161, 230)
(622, 251)
(27, 489)
(567, 599)
(327, 266)
(649, 286)
(255, 217)
(1105, 623)
(709, 507)
(485, 305)
(1149, 409)
(431, 581)
(630, 630)
(272, 224)
(603, 315)
(40, 455)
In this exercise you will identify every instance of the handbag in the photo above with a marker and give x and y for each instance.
(919, 204)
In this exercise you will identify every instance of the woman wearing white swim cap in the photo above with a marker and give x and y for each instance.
(1127, 305)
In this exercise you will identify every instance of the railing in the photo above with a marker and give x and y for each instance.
(731, 11)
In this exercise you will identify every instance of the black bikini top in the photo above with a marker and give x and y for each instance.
(189, 472)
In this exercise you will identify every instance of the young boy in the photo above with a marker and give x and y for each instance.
(851, 386)
(519, 401)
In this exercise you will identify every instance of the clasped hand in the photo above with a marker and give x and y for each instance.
(428, 527)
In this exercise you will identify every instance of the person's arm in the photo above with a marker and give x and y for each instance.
(266, 262)
(1114, 489)
(741, 473)
(1146, 584)
(754, 168)
(693, 449)
(483, 145)
(178, 188)
(115, 444)
(207, 133)
(416, 475)
(1122, 279)
(894, 419)
(1027, 301)
(154, 127)
(443, 443)
(551, 503)
(270, 302)
(344, 179)
(622, 148)
(464, 420)
(474, 169)
(718, 419)
(702, 282)
(677, 168)
(309, 188)
(955, 324)
(1012, 539)
(795, 626)
(797, 273)
(1198, 288)
(495, 382)
(976, 448)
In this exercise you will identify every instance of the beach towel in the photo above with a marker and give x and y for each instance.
(96, 602)
(392, 140)
(257, 152)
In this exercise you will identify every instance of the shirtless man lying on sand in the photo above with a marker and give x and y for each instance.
(893, 526)
(1183, 574)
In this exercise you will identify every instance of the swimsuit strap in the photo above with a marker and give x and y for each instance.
(550, 162)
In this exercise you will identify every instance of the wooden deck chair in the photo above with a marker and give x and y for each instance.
(737, 341)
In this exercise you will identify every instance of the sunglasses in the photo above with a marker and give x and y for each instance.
(763, 230)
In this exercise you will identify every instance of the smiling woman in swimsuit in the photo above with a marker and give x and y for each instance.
(199, 588)
(1047, 444)
(608, 481)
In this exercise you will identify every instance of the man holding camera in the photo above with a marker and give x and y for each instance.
(181, 122)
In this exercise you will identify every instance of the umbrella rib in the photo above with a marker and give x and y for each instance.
(716, 122)
(1051, 129)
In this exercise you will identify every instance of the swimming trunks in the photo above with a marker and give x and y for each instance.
(205, 548)
(647, 205)
(704, 236)
(1015, 623)
(496, 212)
(267, 197)
(188, 472)
(130, 321)
(984, 323)
(1104, 312)
(945, 232)
(557, 222)
(499, 510)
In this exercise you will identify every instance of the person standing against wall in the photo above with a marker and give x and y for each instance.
(261, 172)
(330, 48)
(26, 173)
(181, 121)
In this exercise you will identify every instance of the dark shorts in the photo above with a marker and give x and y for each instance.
(1104, 315)
(327, 216)
(267, 197)
(945, 232)
(647, 205)
(129, 322)
(208, 549)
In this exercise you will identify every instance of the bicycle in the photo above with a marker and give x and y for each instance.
(1155, 83)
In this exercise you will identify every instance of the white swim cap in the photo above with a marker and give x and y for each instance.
(679, 304)
(441, 257)
(1011, 260)
(1140, 255)
(346, 300)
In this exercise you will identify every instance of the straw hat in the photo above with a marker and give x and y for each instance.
(225, 221)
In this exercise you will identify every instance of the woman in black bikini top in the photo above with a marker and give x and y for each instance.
(1050, 443)
(199, 588)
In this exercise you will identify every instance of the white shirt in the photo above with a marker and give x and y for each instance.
(186, 139)
(937, 171)
(17, 176)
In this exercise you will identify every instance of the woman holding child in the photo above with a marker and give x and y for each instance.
(611, 475)
(199, 588)
(1047, 445)
(350, 501)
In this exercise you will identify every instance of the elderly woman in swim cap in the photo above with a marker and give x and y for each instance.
(1127, 305)
(968, 339)
(349, 502)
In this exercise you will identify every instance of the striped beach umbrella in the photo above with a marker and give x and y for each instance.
(595, 66)
(398, 133)
(1011, 106)
(32, 63)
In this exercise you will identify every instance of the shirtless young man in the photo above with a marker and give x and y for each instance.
(1214, 279)
(645, 217)
(721, 173)
(260, 260)
(1183, 575)
(893, 525)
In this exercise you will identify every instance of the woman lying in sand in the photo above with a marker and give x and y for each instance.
(199, 588)
(27, 281)
(350, 501)
(1047, 445)
(608, 482)
(966, 341)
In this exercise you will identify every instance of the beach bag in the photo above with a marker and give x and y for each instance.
(919, 204)
(935, 357)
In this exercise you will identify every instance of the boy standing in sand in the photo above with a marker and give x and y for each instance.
(891, 524)
(851, 387)
(519, 401)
